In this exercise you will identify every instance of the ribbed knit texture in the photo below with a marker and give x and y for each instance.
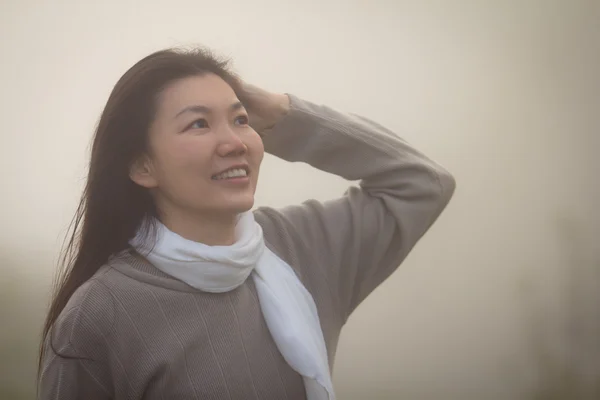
(138, 333)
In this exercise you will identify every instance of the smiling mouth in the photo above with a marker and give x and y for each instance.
(231, 174)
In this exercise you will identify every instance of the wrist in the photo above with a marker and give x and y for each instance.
(280, 107)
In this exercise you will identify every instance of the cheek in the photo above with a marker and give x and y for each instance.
(181, 158)
(256, 148)
(256, 151)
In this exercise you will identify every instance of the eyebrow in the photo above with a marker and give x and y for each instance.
(199, 109)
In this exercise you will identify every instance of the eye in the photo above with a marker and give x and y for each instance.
(241, 120)
(199, 124)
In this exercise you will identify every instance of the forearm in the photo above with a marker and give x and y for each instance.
(356, 149)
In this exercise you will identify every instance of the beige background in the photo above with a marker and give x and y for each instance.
(505, 94)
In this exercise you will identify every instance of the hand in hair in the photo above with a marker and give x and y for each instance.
(264, 108)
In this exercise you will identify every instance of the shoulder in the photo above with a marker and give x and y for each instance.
(86, 320)
(291, 232)
(283, 228)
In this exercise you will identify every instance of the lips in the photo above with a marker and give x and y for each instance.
(233, 172)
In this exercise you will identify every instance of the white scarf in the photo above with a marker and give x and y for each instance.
(288, 308)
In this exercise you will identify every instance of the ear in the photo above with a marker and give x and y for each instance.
(141, 172)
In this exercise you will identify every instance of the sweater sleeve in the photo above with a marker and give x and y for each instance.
(362, 237)
(74, 367)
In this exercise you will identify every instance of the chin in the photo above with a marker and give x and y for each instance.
(241, 206)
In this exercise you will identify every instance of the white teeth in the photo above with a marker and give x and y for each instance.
(232, 173)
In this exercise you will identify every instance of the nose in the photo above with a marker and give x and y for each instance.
(230, 144)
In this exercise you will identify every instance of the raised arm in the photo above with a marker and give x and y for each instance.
(362, 237)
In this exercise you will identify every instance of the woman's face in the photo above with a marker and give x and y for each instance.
(204, 157)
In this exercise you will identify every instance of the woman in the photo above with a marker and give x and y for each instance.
(173, 289)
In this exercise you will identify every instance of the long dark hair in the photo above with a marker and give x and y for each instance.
(112, 206)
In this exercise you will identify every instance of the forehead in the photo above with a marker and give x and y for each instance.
(206, 90)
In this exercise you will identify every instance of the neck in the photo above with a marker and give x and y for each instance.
(209, 229)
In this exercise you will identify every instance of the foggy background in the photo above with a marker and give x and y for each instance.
(500, 300)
